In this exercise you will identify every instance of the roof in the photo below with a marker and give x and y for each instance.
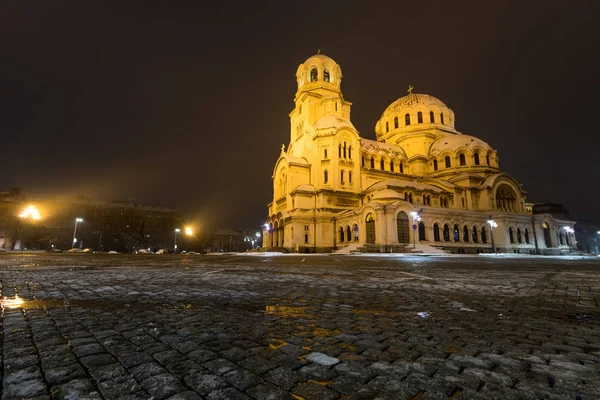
(457, 141)
(332, 121)
(367, 144)
(405, 183)
(413, 100)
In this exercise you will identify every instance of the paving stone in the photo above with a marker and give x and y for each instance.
(311, 390)
(27, 374)
(257, 365)
(201, 356)
(23, 389)
(105, 372)
(205, 383)
(268, 391)
(162, 386)
(242, 379)
(64, 374)
(146, 370)
(285, 378)
(97, 360)
(185, 396)
(219, 366)
(75, 389)
(119, 387)
(227, 394)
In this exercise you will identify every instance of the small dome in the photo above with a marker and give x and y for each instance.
(333, 121)
(456, 142)
(319, 69)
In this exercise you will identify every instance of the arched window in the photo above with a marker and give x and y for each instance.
(401, 168)
(392, 165)
(474, 234)
(483, 235)
(341, 231)
(487, 159)
(476, 158)
(362, 162)
(326, 77)
(382, 164)
(446, 233)
(511, 236)
(349, 176)
(345, 150)
(442, 118)
(447, 160)
(407, 119)
(560, 237)
(324, 153)
(456, 233)
(422, 231)
(342, 176)
(506, 198)
(431, 117)
(462, 159)
(350, 152)
(519, 238)
(395, 122)
(314, 74)
(435, 166)
(436, 232)
(387, 127)
(306, 238)
(348, 233)
(419, 117)
(526, 236)
(325, 176)
(465, 234)
(340, 150)
(372, 162)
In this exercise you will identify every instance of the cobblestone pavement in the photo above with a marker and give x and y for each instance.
(78, 326)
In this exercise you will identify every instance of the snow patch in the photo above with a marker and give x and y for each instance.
(322, 359)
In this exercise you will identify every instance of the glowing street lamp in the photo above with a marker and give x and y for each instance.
(77, 220)
(493, 224)
(177, 230)
(189, 231)
(30, 212)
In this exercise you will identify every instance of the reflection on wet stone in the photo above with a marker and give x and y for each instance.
(160, 328)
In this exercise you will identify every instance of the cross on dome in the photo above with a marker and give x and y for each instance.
(410, 89)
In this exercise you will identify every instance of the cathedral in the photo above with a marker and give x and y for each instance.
(421, 185)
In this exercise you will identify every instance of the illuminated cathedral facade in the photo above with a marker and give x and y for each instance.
(421, 185)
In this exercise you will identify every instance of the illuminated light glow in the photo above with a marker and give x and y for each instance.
(78, 219)
(11, 303)
(74, 240)
(568, 229)
(416, 216)
(267, 227)
(175, 246)
(188, 230)
(177, 230)
(493, 223)
(258, 234)
(30, 212)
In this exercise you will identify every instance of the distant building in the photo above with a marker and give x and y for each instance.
(588, 237)
(421, 182)
(226, 240)
(107, 225)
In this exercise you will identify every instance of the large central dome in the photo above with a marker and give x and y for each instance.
(413, 100)
(409, 112)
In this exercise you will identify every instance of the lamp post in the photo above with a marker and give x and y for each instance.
(493, 224)
(77, 220)
(416, 218)
(177, 230)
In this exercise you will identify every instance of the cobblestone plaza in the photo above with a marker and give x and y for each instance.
(88, 326)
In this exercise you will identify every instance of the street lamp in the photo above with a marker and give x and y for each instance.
(177, 230)
(189, 231)
(30, 212)
(416, 218)
(77, 220)
(493, 224)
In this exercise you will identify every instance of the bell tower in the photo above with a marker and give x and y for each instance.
(319, 94)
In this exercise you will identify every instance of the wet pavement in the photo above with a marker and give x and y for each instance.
(82, 326)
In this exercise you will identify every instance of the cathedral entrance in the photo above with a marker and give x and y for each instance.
(370, 229)
(403, 228)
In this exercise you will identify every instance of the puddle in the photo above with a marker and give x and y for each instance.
(19, 302)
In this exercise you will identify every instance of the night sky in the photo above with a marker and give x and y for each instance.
(185, 104)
